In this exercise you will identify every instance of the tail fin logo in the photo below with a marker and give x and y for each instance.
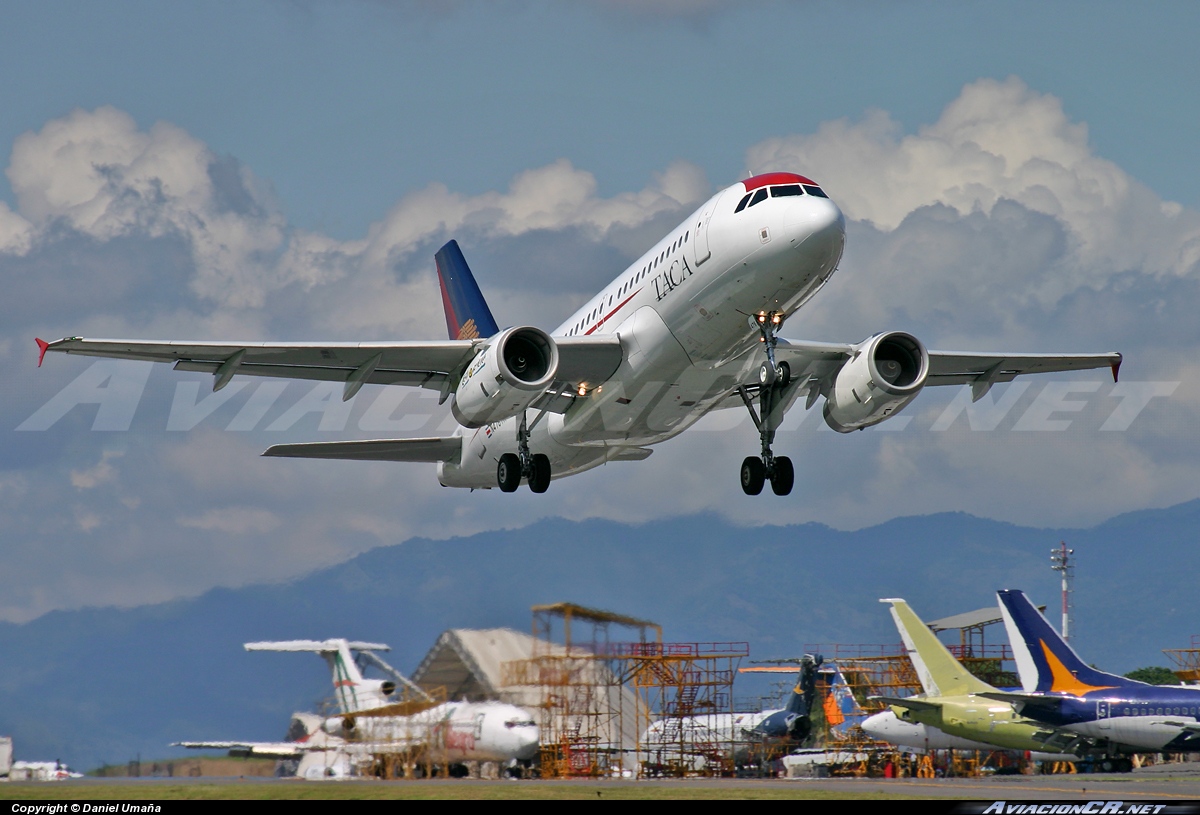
(1063, 681)
(469, 331)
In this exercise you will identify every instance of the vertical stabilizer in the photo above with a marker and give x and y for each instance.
(940, 673)
(1044, 660)
(467, 313)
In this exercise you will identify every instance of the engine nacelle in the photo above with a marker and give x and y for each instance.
(517, 365)
(884, 374)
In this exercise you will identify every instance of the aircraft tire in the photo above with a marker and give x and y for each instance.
(767, 375)
(754, 475)
(540, 480)
(508, 472)
(784, 476)
(783, 375)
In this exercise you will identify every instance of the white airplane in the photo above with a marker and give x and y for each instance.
(690, 327)
(371, 723)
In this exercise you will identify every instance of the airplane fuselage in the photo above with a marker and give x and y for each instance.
(682, 313)
(1157, 718)
(976, 718)
(451, 732)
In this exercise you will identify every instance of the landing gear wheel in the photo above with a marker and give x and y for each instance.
(783, 477)
(754, 475)
(767, 374)
(783, 375)
(539, 479)
(1107, 765)
(508, 472)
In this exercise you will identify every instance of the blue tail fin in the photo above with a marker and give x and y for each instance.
(1044, 660)
(467, 314)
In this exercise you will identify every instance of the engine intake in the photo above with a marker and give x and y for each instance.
(512, 370)
(884, 374)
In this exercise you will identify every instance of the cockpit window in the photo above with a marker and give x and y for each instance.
(759, 197)
(511, 723)
(787, 189)
(817, 191)
(745, 200)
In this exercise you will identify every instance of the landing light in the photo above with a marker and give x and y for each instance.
(583, 390)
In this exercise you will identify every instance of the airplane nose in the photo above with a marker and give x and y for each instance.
(819, 227)
(877, 726)
(527, 744)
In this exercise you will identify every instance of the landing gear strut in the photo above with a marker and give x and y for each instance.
(512, 467)
(773, 377)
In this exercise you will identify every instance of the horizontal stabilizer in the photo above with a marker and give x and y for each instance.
(444, 448)
(318, 646)
(908, 702)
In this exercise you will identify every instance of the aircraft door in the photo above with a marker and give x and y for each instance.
(700, 247)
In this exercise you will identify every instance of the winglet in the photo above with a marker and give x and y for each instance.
(1116, 367)
(42, 346)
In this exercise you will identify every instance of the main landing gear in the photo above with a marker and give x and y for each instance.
(512, 467)
(773, 378)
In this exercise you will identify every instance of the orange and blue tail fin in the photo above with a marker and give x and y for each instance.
(467, 313)
(1044, 660)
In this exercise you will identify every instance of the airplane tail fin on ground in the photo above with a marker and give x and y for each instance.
(467, 313)
(1044, 660)
(354, 692)
(940, 673)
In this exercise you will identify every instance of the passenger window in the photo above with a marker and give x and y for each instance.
(787, 189)
(759, 197)
(817, 191)
(742, 204)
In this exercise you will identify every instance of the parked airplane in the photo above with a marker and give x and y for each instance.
(956, 703)
(713, 732)
(690, 327)
(371, 723)
(1061, 690)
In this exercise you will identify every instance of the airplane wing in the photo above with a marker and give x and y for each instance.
(276, 749)
(434, 364)
(819, 362)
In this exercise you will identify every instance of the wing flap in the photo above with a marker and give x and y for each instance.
(444, 448)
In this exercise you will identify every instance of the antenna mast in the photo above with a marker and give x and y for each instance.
(1061, 562)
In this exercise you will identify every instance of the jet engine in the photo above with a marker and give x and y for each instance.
(884, 374)
(515, 367)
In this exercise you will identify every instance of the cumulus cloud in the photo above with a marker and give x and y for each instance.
(998, 141)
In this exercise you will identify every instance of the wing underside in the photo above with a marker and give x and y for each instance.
(435, 364)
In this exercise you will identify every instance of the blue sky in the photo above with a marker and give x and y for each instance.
(1015, 176)
(345, 106)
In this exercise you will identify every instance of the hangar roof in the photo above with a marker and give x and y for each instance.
(467, 661)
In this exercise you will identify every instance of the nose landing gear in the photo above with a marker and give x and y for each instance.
(773, 378)
(512, 467)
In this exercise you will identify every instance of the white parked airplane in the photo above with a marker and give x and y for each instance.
(692, 326)
(370, 723)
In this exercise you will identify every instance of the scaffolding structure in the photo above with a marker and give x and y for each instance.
(619, 707)
(685, 718)
(583, 702)
(1187, 660)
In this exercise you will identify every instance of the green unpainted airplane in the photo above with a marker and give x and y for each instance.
(952, 703)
